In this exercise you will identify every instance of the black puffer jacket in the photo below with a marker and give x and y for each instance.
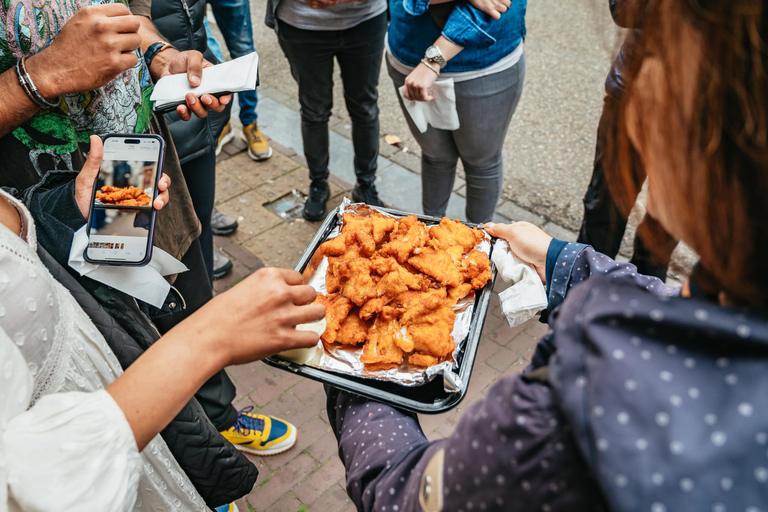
(181, 22)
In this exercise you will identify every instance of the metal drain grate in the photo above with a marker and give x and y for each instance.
(289, 206)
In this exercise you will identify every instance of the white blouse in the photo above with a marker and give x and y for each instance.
(64, 442)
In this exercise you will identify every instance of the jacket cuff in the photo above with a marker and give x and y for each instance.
(564, 258)
(467, 27)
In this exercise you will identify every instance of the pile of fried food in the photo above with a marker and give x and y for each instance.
(392, 284)
(123, 196)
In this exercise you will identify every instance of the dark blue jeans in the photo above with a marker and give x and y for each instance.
(358, 51)
(234, 20)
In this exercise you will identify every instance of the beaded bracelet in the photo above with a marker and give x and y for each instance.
(29, 86)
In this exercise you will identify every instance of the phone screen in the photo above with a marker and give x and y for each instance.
(122, 217)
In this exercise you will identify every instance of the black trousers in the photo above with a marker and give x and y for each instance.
(358, 51)
(603, 224)
(195, 285)
(200, 175)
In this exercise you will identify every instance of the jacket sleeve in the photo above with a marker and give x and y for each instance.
(570, 263)
(510, 449)
(628, 13)
(70, 451)
(466, 26)
(57, 216)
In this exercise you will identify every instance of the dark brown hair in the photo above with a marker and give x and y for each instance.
(720, 162)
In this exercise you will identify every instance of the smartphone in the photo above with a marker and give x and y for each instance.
(121, 223)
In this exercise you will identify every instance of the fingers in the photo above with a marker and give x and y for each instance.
(304, 339)
(194, 67)
(195, 106)
(505, 231)
(303, 294)
(111, 9)
(212, 103)
(183, 112)
(291, 277)
(164, 196)
(95, 156)
(308, 313)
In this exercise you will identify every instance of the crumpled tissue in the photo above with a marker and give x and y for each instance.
(439, 112)
(145, 283)
(526, 295)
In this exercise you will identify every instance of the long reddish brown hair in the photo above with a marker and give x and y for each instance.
(720, 163)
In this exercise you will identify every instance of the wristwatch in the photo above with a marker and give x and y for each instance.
(433, 54)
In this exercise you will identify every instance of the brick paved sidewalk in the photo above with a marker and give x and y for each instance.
(310, 476)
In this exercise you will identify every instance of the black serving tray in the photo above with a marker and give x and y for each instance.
(429, 398)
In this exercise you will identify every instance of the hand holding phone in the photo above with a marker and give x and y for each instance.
(125, 197)
(90, 171)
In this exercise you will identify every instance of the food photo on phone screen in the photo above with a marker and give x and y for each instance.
(121, 222)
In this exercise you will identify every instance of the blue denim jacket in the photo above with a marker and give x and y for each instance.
(485, 40)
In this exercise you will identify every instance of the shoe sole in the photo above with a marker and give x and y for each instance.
(223, 271)
(268, 451)
(259, 157)
(224, 232)
(226, 140)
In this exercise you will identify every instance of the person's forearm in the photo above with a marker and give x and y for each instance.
(17, 107)
(149, 35)
(156, 387)
(440, 1)
(447, 48)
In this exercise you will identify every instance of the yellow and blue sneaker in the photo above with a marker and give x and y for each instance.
(259, 434)
(229, 507)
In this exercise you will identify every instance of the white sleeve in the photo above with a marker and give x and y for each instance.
(70, 451)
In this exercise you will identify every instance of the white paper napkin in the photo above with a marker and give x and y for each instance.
(235, 75)
(526, 295)
(440, 112)
(145, 283)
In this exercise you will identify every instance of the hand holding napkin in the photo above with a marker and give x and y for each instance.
(236, 75)
(527, 295)
(439, 113)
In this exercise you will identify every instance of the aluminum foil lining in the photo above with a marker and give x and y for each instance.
(347, 361)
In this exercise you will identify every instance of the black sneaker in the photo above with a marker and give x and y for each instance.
(366, 194)
(314, 206)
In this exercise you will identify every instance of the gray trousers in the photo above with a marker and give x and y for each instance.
(485, 106)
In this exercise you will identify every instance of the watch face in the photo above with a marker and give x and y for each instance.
(431, 52)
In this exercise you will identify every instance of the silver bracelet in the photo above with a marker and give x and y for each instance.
(29, 86)
(424, 61)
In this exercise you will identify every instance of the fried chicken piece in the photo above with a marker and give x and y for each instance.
(457, 293)
(476, 268)
(395, 280)
(438, 264)
(359, 286)
(336, 310)
(353, 330)
(423, 360)
(381, 347)
(431, 333)
(452, 232)
(124, 196)
(360, 229)
(409, 234)
(382, 226)
(335, 246)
